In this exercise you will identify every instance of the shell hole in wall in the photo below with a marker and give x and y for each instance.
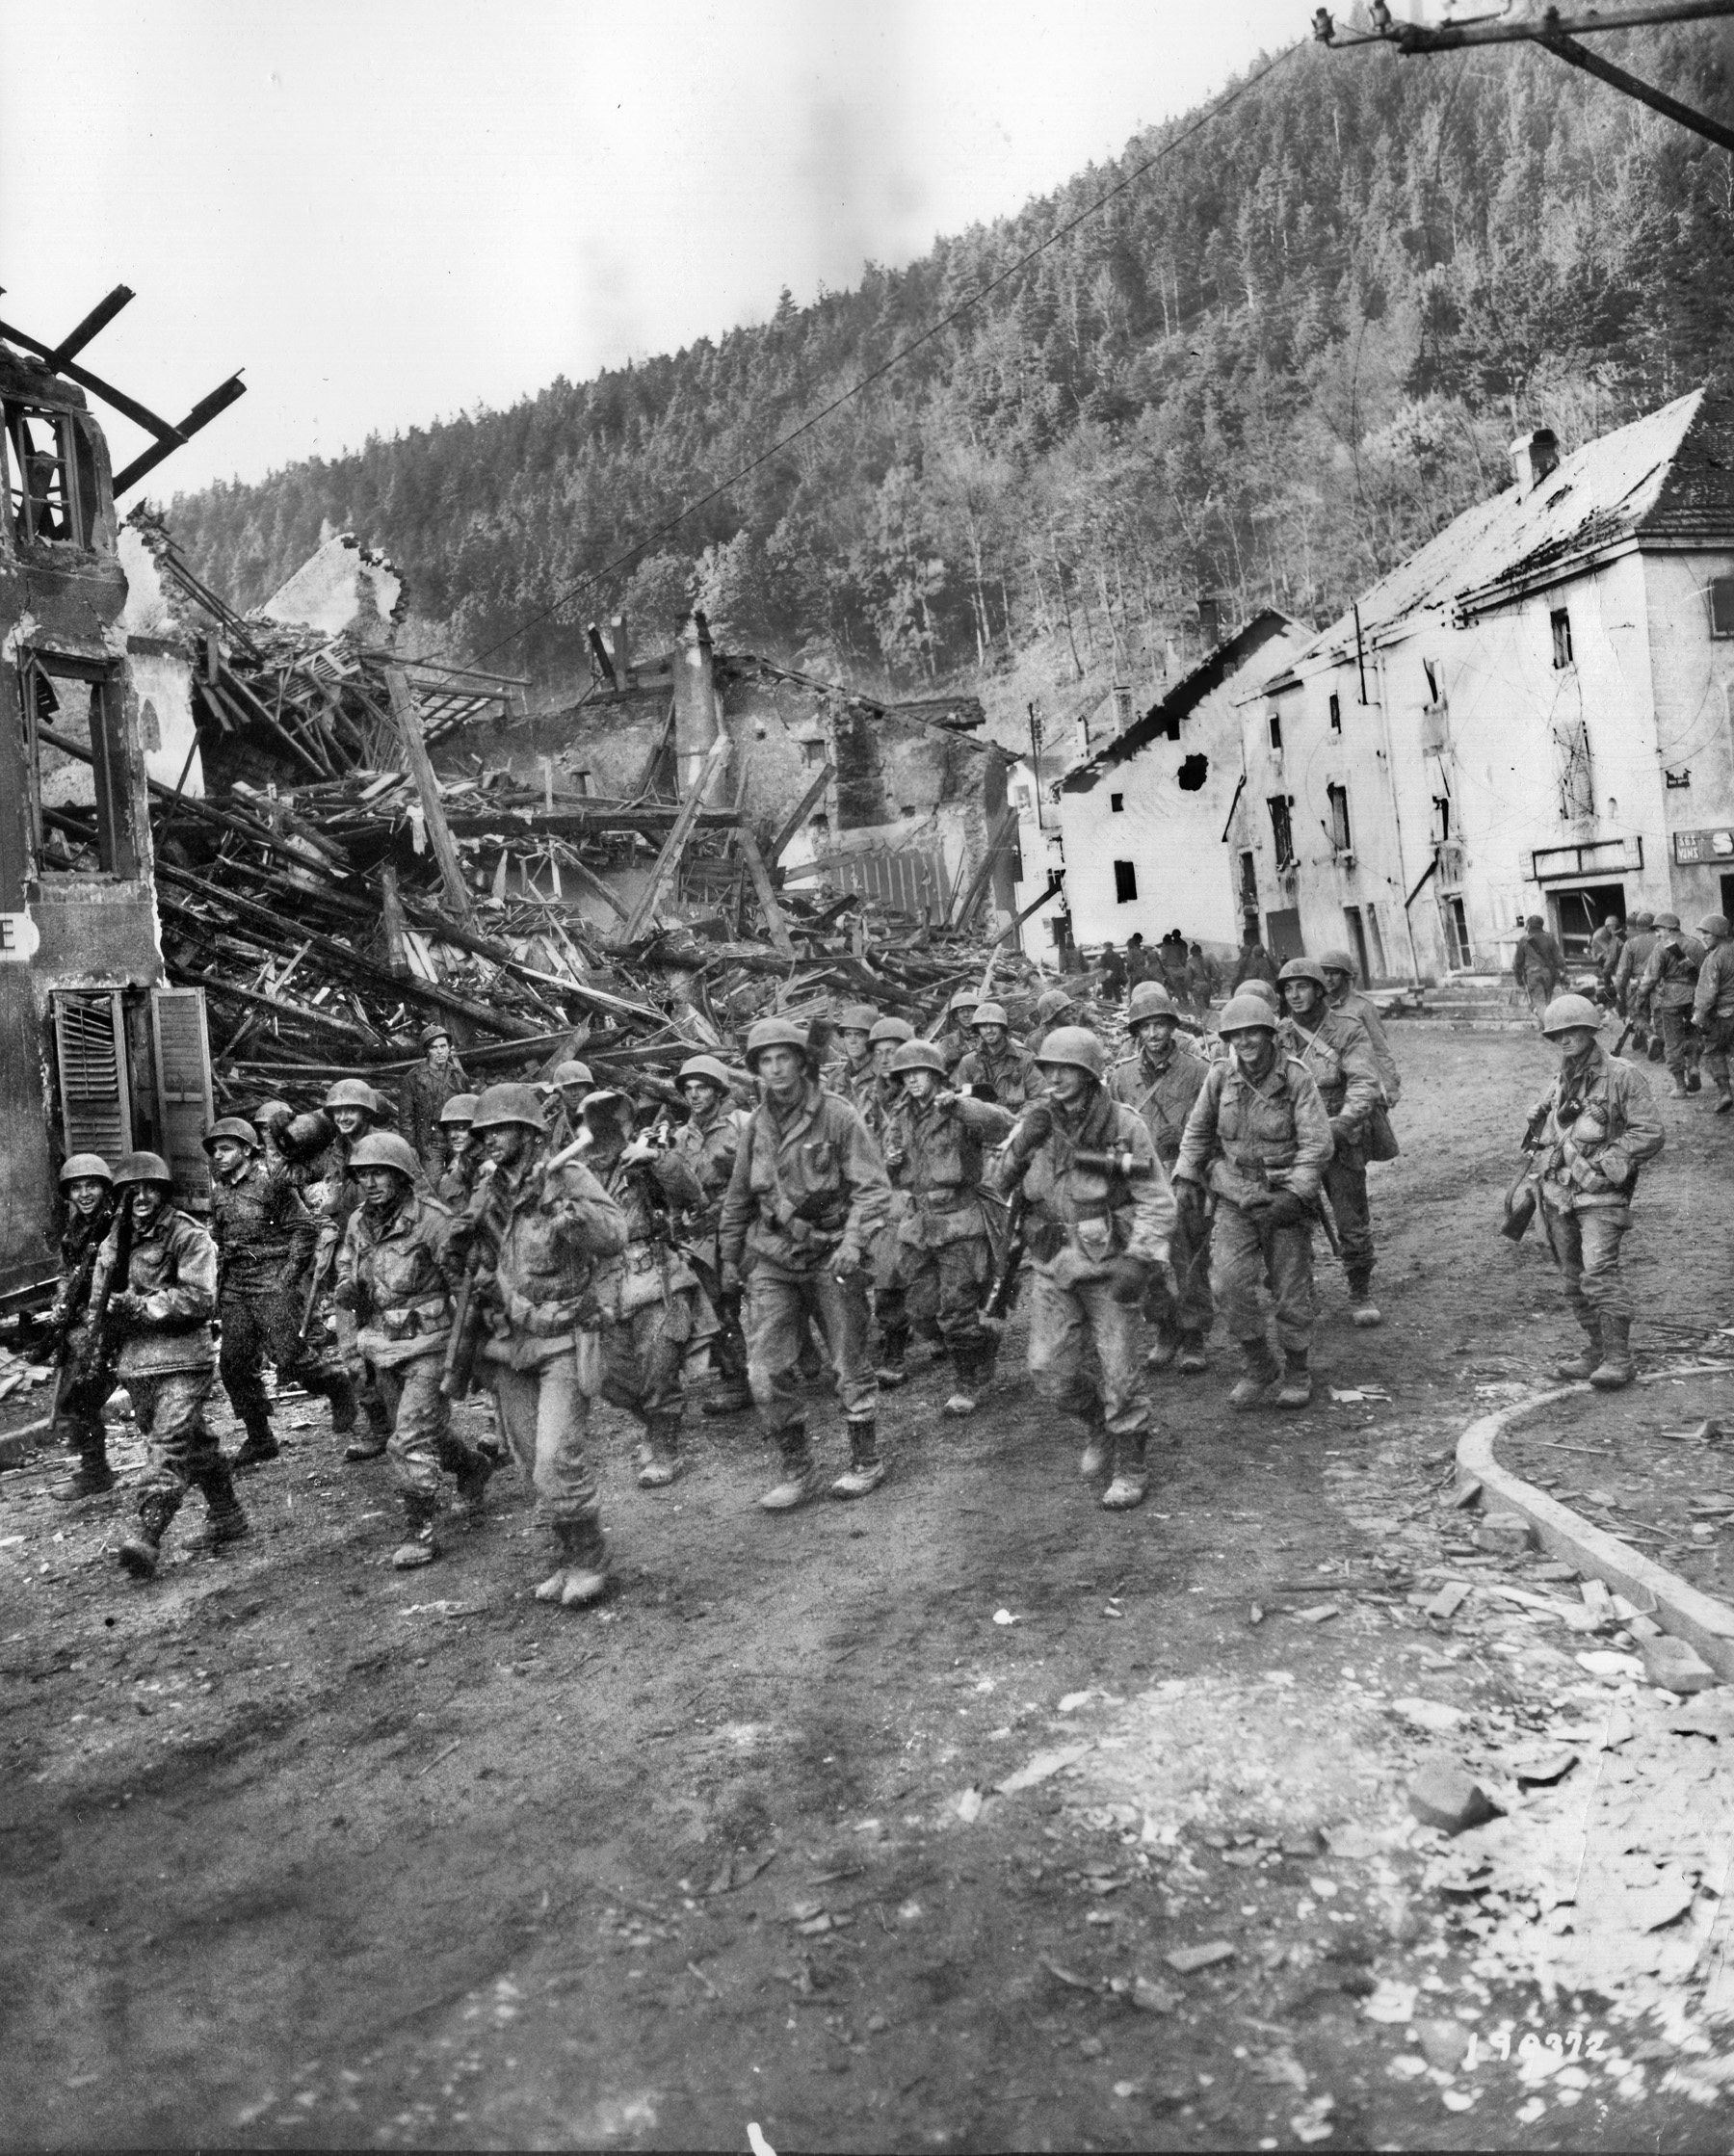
(1193, 770)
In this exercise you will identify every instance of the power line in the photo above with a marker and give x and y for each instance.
(691, 509)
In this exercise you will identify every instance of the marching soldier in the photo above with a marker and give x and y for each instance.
(1539, 964)
(457, 1180)
(998, 1060)
(1669, 987)
(1347, 1001)
(573, 1085)
(809, 1195)
(1590, 1134)
(1713, 1004)
(932, 1148)
(1338, 1057)
(648, 1294)
(155, 1283)
(955, 1041)
(878, 1094)
(392, 1279)
(542, 1224)
(265, 1238)
(1054, 1006)
(852, 1064)
(352, 1109)
(425, 1092)
(84, 1373)
(1628, 974)
(1097, 1222)
(1158, 1082)
(1259, 1137)
(708, 1141)
(271, 1119)
(878, 1101)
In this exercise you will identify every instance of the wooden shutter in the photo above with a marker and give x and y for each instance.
(183, 1083)
(91, 1047)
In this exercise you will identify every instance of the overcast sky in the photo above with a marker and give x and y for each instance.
(388, 211)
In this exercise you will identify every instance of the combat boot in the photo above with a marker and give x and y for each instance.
(1680, 1089)
(377, 1436)
(1163, 1354)
(1724, 1098)
(1363, 1312)
(1297, 1387)
(866, 1470)
(1097, 1456)
(586, 1565)
(1657, 1048)
(476, 1471)
(1192, 1358)
(894, 1350)
(139, 1553)
(662, 1453)
(975, 1363)
(419, 1547)
(801, 1478)
(261, 1444)
(1694, 1084)
(90, 1478)
(1576, 1368)
(341, 1393)
(730, 1398)
(1131, 1477)
(1263, 1370)
(1615, 1369)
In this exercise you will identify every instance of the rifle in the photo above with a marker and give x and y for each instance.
(469, 1311)
(316, 1275)
(1002, 1291)
(118, 1272)
(75, 1295)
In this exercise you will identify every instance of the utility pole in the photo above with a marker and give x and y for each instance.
(1036, 763)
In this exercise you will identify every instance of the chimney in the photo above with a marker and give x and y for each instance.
(1210, 619)
(622, 650)
(1533, 457)
(697, 711)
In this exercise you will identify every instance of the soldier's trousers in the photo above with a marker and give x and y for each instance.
(1346, 1194)
(1681, 1041)
(80, 1394)
(1065, 1322)
(643, 1355)
(1718, 1037)
(777, 1309)
(1586, 1248)
(1252, 1255)
(1187, 1307)
(260, 1325)
(544, 1412)
(181, 1453)
(1541, 995)
(943, 1288)
(421, 1442)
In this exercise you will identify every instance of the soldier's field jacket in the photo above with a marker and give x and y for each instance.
(81, 1247)
(1080, 1220)
(804, 1185)
(394, 1274)
(422, 1095)
(1246, 1139)
(934, 1155)
(549, 1232)
(646, 1269)
(1354, 1005)
(1592, 1131)
(1715, 996)
(263, 1232)
(173, 1271)
(1161, 1091)
(709, 1150)
(1338, 1058)
(1012, 1074)
(1670, 973)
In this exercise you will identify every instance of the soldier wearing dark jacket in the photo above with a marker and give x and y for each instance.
(156, 1282)
(425, 1092)
(265, 1239)
(84, 1373)
(1537, 964)
(1336, 1053)
(1669, 989)
(998, 1060)
(708, 1141)
(1160, 1082)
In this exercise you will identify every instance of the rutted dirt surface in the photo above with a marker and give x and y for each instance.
(301, 1851)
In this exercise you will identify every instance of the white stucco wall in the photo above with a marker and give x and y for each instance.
(163, 684)
(1693, 678)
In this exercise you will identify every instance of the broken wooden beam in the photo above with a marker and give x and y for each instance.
(798, 815)
(777, 922)
(675, 844)
(421, 768)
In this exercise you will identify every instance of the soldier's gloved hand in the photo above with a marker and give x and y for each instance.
(1344, 1132)
(126, 1305)
(1616, 1164)
(1129, 1278)
(1033, 1128)
(638, 1151)
(1288, 1209)
(728, 1276)
(847, 1262)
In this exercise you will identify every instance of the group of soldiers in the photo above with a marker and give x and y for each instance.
(785, 1225)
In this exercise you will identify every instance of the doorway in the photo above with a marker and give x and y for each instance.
(1578, 914)
(1458, 955)
(1727, 896)
(1282, 934)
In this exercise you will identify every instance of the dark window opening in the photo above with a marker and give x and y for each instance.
(1275, 723)
(1357, 941)
(1721, 607)
(1561, 623)
(1442, 820)
(1125, 882)
(51, 477)
(1193, 770)
(1432, 672)
(1117, 803)
(1459, 952)
(1280, 831)
(76, 767)
(1249, 884)
(1341, 837)
(1336, 713)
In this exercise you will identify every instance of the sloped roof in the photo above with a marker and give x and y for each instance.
(1667, 477)
(1184, 698)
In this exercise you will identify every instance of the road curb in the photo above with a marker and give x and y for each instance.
(1687, 1612)
(16, 1446)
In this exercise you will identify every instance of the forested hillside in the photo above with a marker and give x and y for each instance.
(1266, 369)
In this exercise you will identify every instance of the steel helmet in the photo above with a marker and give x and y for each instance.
(1075, 1045)
(1245, 1013)
(966, 999)
(990, 1014)
(1566, 1011)
(1337, 962)
(776, 1033)
(272, 1114)
(1051, 1002)
(1644, 920)
(460, 1109)
(385, 1149)
(572, 1072)
(1713, 924)
(857, 1017)
(1150, 1000)
(432, 1034)
(232, 1126)
(1265, 994)
(506, 1104)
(305, 1136)
(892, 1029)
(609, 1101)
(355, 1093)
(141, 1167)
(918, 1055)
(1667, 920)
(84, 1168)
(707, 1068)
(1303, 969)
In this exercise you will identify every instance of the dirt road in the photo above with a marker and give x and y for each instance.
(298, 1851)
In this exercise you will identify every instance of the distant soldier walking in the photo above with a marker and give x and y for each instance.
(1628, 976)
(1538, 965)
(997, 1061)
(1337, 1055)
(708, 1141)
(84, 1373)
(457, 1180)
(425, 1092)
(1349, 1002)
(1669, 987)
(1713, 1004)
(1590, 1134)
(1160, 1082)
